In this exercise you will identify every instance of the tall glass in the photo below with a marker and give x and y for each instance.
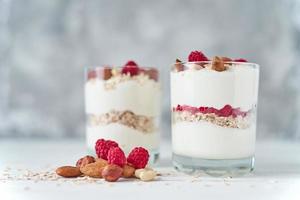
(214, 117)
(123, 107)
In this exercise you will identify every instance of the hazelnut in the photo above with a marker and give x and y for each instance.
(84, 161)
(112, 172)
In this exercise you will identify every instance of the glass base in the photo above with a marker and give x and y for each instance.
(153, 159)
(213, 167)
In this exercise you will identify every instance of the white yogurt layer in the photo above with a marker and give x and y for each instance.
(142, 99)
(237, 86)
(126, 137)
(208, 141)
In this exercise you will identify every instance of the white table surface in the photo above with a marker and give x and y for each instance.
(276, 175)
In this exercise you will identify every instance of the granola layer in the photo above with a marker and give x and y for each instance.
(229, 122)
(140, 123)
(111, 83)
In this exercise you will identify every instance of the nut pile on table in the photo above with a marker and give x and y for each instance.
(111, 164)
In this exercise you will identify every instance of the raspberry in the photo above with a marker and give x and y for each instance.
(240, 60)
(226, 111)
(102, 147)
(190, 109)
(197, 56)
(130, 67)
(179, 108)
(212, 110)
(138, 157)
(203, 109)
(116, 156)
(131, 63)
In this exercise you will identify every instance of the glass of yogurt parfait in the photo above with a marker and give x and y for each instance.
(214, 114)
(123, 104)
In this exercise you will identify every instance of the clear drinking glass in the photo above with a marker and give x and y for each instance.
(214, 117)
(123, 107)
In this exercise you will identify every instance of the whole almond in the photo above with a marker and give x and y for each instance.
(68, 171)
(102, 161)
(84, 161)
(128, 171)
(112, 172)
(93, 169)
(218, 64)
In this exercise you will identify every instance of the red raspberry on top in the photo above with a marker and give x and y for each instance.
(130, 67)
(197, 56)
(240, 60)
(102, 147)
(138, 157)
(226, 111)
(131, 63)
(178, 108)
(116, 156)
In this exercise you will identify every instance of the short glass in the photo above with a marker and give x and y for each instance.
(214, 117)
(123, 107)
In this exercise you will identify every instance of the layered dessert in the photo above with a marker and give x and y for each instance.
(213, 111)
(123, 104)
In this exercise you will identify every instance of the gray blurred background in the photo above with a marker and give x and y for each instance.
(44, 46)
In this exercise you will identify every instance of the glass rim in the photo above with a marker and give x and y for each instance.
(254, 65)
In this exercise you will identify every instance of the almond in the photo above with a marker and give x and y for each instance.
(100, 160)
(68, 171)
(128, 171)
(93, 169)
(218, 64)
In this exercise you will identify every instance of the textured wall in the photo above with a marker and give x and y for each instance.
(45, 44)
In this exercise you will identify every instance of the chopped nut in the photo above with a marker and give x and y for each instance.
(106, 73)
(178, 65)
(226, 59)
(152, 73)
(218, 64)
